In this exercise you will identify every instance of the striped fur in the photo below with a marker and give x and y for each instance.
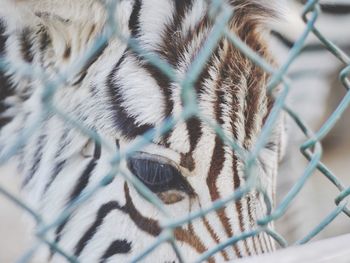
(121, 96)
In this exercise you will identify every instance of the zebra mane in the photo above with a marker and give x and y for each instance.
(258, 9)
(92, 9)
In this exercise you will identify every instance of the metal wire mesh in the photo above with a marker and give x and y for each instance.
(311, 149)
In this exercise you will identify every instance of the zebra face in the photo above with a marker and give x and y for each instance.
(169, 176)
(121, 95)
(189, 180)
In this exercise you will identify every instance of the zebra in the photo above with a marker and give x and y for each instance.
(120, 96)
(314, 91)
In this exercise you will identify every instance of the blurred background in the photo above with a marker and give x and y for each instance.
(315, 93)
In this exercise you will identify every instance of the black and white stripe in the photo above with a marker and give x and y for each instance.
(120, 95)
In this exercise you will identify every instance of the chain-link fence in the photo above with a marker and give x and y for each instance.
(311, 149)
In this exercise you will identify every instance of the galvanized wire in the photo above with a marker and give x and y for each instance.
(311, 149)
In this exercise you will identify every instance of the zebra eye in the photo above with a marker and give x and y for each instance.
(158, 173)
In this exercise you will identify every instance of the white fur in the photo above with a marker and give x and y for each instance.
(69, 23)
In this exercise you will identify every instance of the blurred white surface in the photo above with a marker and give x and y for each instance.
(14, 234)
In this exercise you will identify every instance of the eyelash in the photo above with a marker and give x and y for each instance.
(157, 173)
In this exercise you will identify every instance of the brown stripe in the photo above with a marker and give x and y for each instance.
(214, 237)
(172, 50)
(173, 46)
(263, 242)
(252, 223)
(194, 129)
(266, 241)
(189, 237)
(169, 50)
(255, 97)
(236, 179)
(146, 224)
(218, 156)
(152, 227)
(253, 218)
(187, 161)
(92, 30)
(214, 171)
(254, 100)
(235, 111)
(238, 203)
(263, 235)
(217, 163)
(26, 45)
(230, 74)
(271, 242)
(67, 52)
(44, 44)
(193, 124)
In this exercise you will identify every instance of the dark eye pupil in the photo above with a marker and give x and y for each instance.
(151, 172)
(157, 176)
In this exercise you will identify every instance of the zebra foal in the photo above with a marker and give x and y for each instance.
(120, 95)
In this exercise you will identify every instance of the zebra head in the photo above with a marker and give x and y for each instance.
(122, 96)
(190, 167)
